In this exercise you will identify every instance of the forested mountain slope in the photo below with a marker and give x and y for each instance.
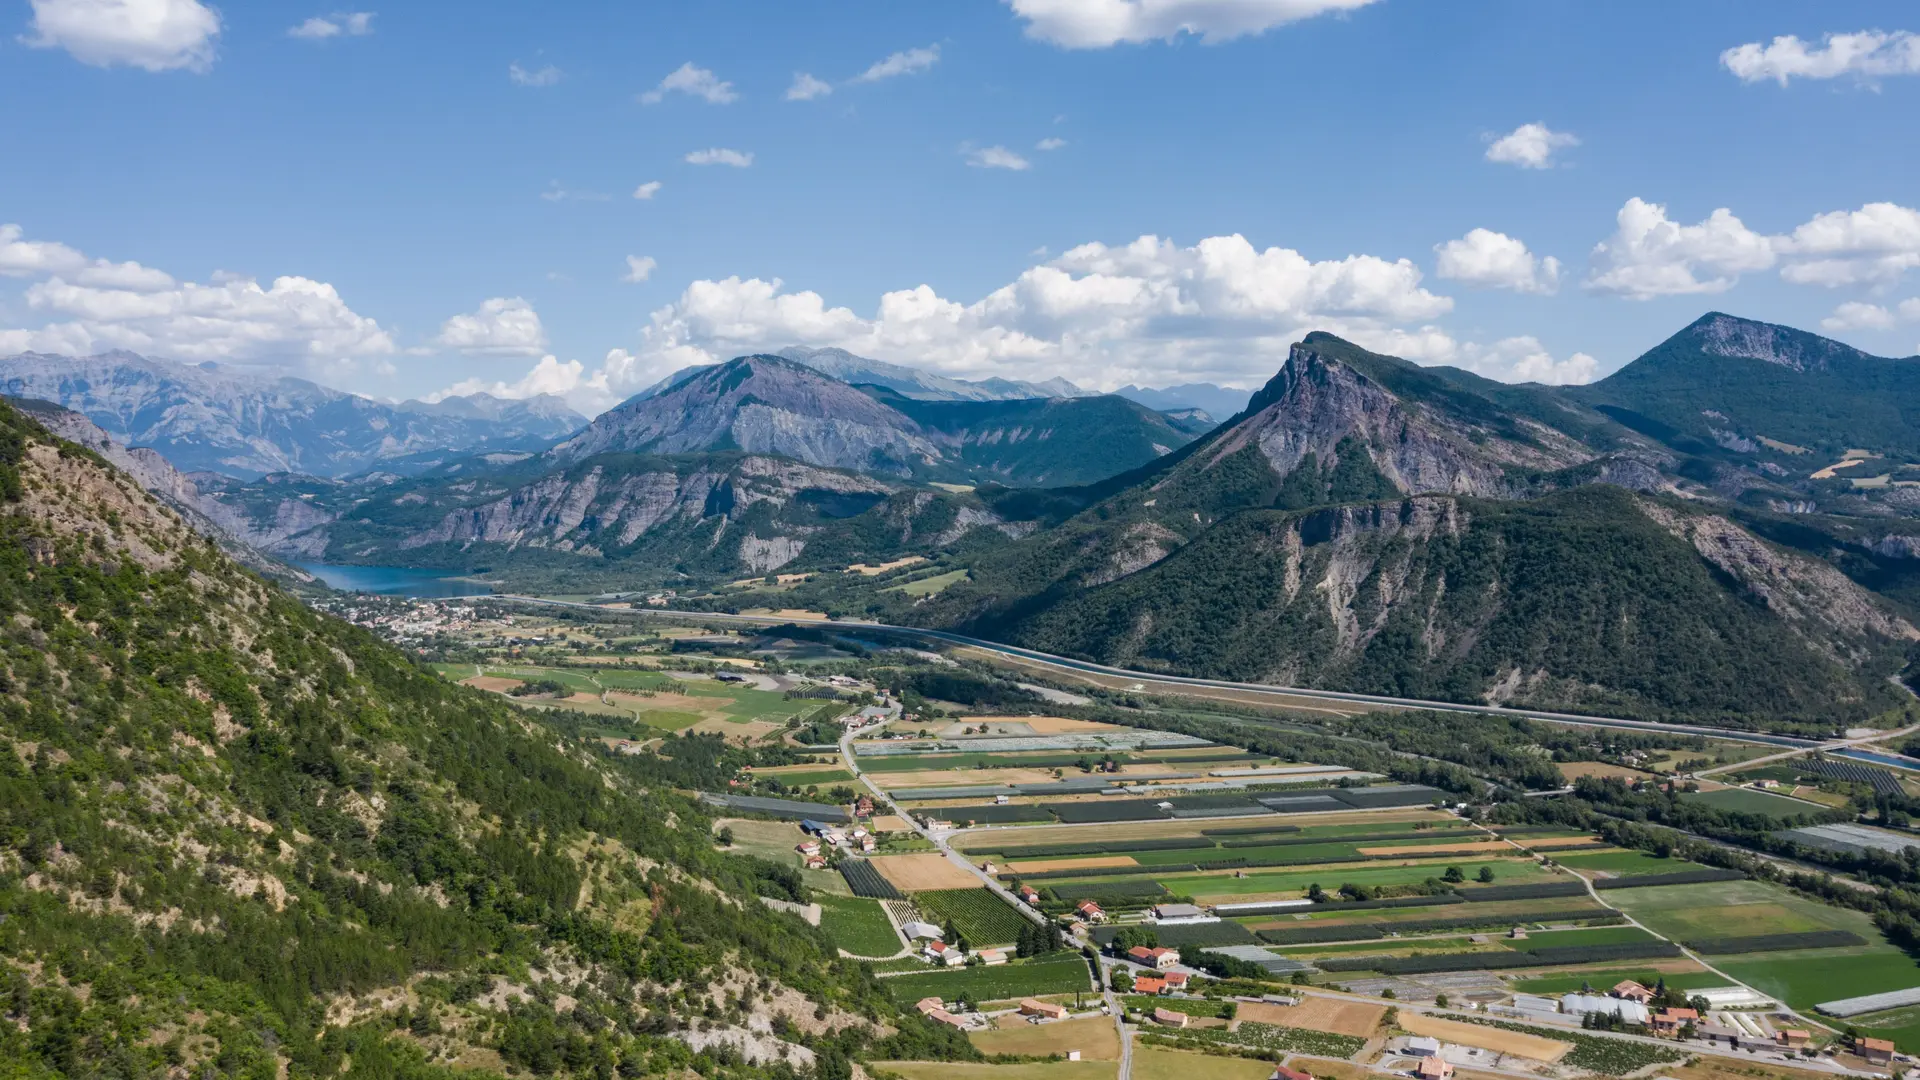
(1369, 525)
(241, 838)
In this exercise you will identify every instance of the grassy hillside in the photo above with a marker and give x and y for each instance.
(241, 838)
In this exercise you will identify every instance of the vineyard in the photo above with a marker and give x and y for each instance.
(866, 881)
(1058, 974)
(857, 925)
(977, 914)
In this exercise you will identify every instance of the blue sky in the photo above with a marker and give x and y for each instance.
(398, 201)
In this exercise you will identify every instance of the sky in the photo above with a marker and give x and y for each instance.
(580, 198)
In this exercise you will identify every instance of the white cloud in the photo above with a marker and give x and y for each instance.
(1497, 261)
(1856, 315)
(1530, 146)
(557, 193)
(1151, 311)
(130, 276)
(1867, 55)
(1876, 243)
(694, 81)
(721, 156)
(154, 35)
(567, 379)
(545, 76)
(996, 157)
(805, 87)
(647, 190)
(908, 62)
(34, 258)
(350, 24)
(639, 268)
(503, 326)
(1049, 144)
(1649, 256)
(1098, 24)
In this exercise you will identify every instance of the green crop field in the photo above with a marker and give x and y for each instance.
(1723, 909)
(1506, 872)
(1748, 801)
(1806, 978)
(818, 777)
(1624, 863)
(927, 586)
(980, 916)
(1060, 974)
(667, 719)
(858, 925)
(1599, 935)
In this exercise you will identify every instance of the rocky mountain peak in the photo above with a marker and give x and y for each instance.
(1720, 334)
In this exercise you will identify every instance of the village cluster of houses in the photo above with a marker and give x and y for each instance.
(819, 833)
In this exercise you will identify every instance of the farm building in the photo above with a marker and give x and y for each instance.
(918, 930)
(1670, 1021)
(1150, 984)
(1170, 1018)
(1281, 1072)
(1182, 913)
(1793, 1038)
(991, 957)
(1433, 1067)
(1632, 991)
(1159, 959)
(928, 1004)
(1631, 1012)
(1878, 1051)
(1090, 911)
(1424, 1046)
(1030, 895)
(939, 952)
(1046, 1009)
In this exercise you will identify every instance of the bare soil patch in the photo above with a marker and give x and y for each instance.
(1338, 1016)
(1516, 1043)
(923, 873)
(891, 823)
(497, 683)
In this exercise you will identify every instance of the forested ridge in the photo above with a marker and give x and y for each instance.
(241, 838)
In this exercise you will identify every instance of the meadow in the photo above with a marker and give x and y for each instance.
(1058, 974)
(858, 925)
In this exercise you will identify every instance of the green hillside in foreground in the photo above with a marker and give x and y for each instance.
(244, 839)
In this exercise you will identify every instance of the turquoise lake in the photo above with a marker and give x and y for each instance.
(393, 581)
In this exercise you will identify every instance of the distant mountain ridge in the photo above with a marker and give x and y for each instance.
(244, 424)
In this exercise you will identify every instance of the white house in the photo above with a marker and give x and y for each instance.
(939, 952)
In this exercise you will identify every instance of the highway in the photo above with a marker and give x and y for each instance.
(1792, 744)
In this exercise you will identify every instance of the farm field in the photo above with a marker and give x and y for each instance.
(1602, 979)
(1225, 888)
(1328, 825)
(1749, 801)
(657, 700)
(1336, 1015)
(1032, 1070)
(1805, 978)
(1724, 909)
(858, 925)
(1063, 973)
(921, 873)
(1094, 1036)
(1153, 1063)
(977, 914)
(1623, 863)
(1487, 1038)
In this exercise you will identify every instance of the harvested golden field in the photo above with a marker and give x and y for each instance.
(1330, 1069)
(1707, 1068)
(891, 823)
(1035, 866)
(1034, 1070)
(496, 683)
(1516, 1043)
(1153, 1063)
(923, 873)
(881, 568)
(1094, 1036)
(1337, 1015)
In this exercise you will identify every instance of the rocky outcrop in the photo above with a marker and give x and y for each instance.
(1717, 334)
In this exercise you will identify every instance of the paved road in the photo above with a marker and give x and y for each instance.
(1145, 677)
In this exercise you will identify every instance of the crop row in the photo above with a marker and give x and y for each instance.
(1684, 877)
(864, 880)
(1314, 935)
(980, 917)
(1110, 847)
(1525, 892)
(1544, 957)
(1367, 838)
(1250, 830)
(1284, 1040)
(1817, 939)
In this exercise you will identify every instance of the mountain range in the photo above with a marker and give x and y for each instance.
(245, 424)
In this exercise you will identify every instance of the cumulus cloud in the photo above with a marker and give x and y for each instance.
(566, 379)
(1876, 243)
(1149, 311)
(647, 190)
(1495, 260)
(719, 155)
(805, 87)
(545, 76)
(996, 157)
(1867, 55)
(350, 24)
(639, 269)
(31, 258)
(503, 326)
(1530, 146)
(909, 62)
(1649, 255)
(1857, 315)
(1099, 24)
(694, 82)
(153, 35)
(1049, 144)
